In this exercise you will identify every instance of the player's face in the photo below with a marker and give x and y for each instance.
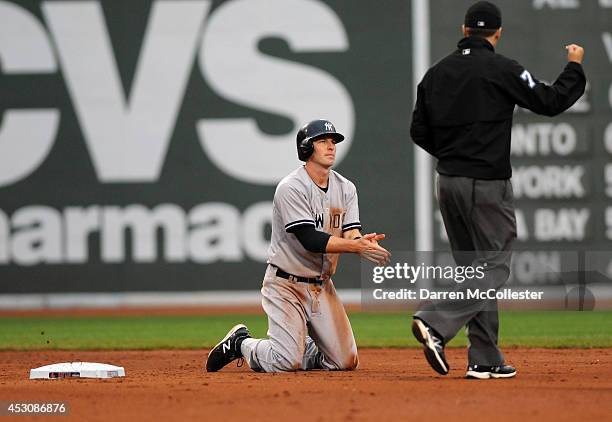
(324, 152)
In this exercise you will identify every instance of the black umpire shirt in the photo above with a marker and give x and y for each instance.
(464, 107)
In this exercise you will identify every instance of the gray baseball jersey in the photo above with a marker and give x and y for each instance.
(298, 201)
(307, 325)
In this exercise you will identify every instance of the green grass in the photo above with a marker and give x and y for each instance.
(526, 329)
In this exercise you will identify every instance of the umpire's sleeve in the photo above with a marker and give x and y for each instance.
(548, 100)
(419, 129)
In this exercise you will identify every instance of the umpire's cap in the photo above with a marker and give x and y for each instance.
(483, 15)
(312, 131)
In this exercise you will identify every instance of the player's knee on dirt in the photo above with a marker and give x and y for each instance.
(288, 365)
(351, 362)
(347, 363)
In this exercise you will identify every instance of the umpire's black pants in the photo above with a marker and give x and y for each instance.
(481, 226)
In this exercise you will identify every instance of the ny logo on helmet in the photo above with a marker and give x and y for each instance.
(329, 126)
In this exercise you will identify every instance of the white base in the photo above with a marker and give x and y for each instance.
(77, 370)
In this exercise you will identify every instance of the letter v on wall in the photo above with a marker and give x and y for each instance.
(127, 138)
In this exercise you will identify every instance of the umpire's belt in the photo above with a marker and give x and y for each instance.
(282, 274)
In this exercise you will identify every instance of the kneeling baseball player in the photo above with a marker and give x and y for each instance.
(315, 218)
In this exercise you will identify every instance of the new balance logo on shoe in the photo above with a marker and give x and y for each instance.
(228, 349)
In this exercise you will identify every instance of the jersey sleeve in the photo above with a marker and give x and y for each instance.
(420, 131)
(548, 100)
(292, 207)
(351, 218)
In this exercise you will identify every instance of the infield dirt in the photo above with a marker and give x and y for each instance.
(390, 384)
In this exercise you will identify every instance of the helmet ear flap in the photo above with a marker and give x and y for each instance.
(305, 149)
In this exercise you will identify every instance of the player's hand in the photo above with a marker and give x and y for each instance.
(377, 256)
(372, 251)
(575, 53)
(374, 237)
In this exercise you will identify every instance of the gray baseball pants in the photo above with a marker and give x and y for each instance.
(479, 219)
(307, 328)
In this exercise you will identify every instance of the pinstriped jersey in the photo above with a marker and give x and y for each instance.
(298, 201)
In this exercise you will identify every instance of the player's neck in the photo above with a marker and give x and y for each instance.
(318, 173)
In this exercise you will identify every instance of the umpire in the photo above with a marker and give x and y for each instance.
(463, 117)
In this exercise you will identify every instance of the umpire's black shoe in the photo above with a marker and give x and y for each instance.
(433, 346)
(485, 372)
(228, 349)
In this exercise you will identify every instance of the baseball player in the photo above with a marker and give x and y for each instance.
(463, 117)
(315, 218)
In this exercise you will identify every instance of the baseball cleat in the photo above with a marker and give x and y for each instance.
(228, 349)
(433, 346)
(485, 372)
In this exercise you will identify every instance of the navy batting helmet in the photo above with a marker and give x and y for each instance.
(312, 131)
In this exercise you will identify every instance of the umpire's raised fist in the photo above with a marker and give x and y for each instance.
(574, 53)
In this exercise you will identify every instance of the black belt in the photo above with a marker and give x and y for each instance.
(282, 274)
